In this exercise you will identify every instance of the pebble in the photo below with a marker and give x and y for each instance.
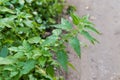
(87, 7)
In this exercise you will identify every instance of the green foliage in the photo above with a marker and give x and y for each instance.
(32, 40)
(75, 44)
(63, 59)
(84, 25)
(4, 52)
(65, 25)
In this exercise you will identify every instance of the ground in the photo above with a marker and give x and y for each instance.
(102, 61)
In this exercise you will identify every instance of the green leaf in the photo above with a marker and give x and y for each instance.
(31, 77)
(46, 53)
(57, 32)
(5, 9)
(92, 29)
(52, 20)
(38, 19)
(34, 40)
(22, 30)
(5, 61)
(12, 74)
(4, 52)
(42, 61)
(29, 1)
(19, 55)
(9, 68)
(72, 66)
(50, 40)
(28, 66)
(22, 2)
(26, 45)
(71, 9)
(3, 1)
(89, 37)
(65, 25)
(75, 44)
(62, 58)
(29, 23)
(15, 49)
(50, 71)
(8, 22)
(36, 53)
(75, 18)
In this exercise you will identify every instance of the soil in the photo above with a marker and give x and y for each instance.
(100, 61)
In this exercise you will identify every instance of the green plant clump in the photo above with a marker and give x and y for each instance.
(32, 39)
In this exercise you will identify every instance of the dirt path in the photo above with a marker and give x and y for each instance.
(102, 61)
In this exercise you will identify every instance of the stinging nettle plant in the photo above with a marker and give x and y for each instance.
(32, 38)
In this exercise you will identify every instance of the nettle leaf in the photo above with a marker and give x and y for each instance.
(89, 37)
(29, 1)
(5, 9)
(34, 40)
(50, 71)
(38, 19)
(72, 66)
(28, 66)
(52, 20)
(26, 45)
(89, 27)
(65, 25)
(81, 27)
(57, 32)
(19, 55)
(86, 18)
(3, 1)
(50, 40)
(9, 68)
(5, 61)
(22, 2)
(13, 74)
(22, 30)
(8, 22)
(31, 77)
(27, 15)
(62, 58)
(75, 44)
(42, 61)
(29, 23)
(4, 52)
(75, 18)
(15, 49)
(37, 53)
